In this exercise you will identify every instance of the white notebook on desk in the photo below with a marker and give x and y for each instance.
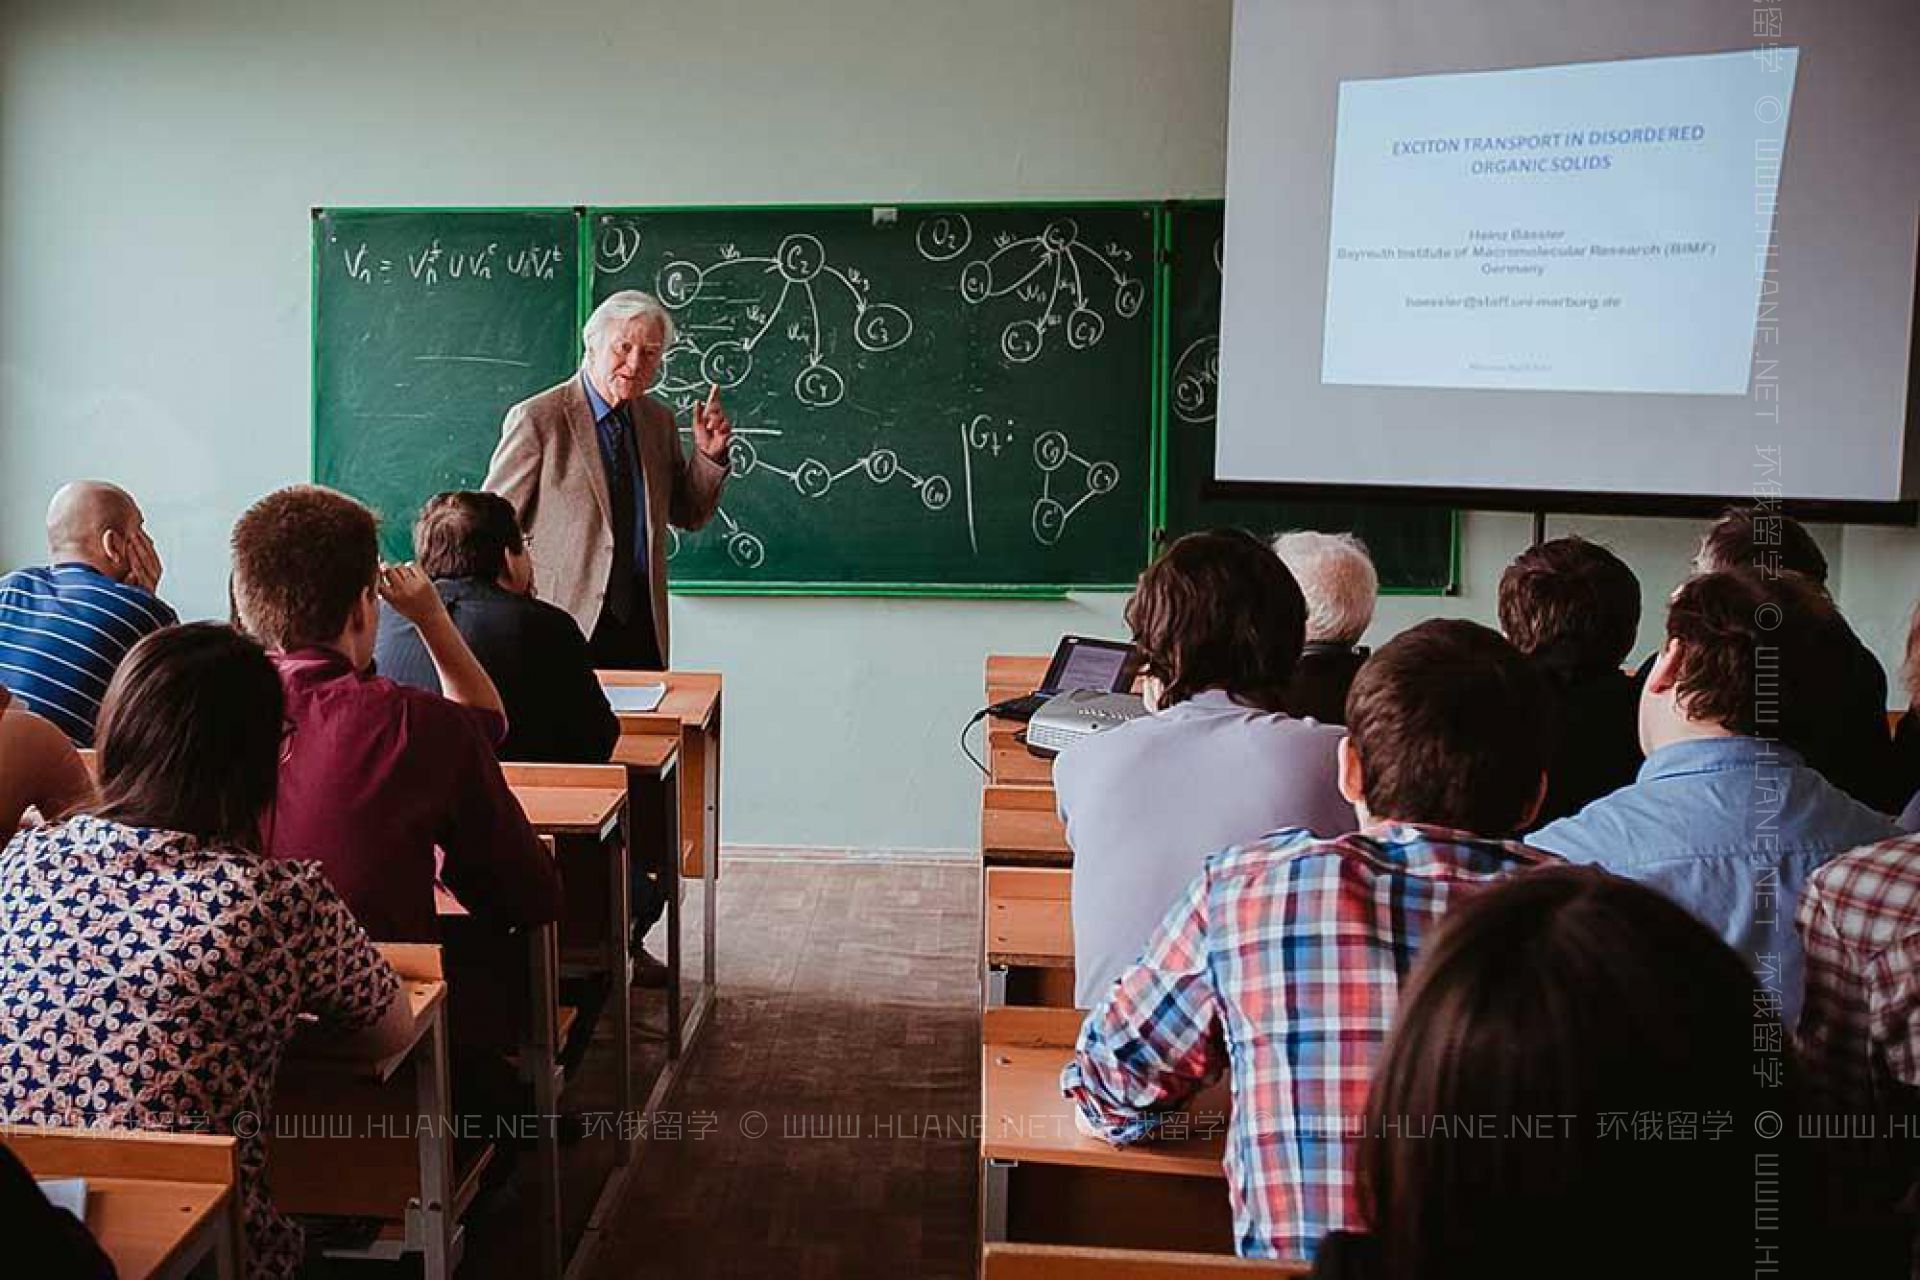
(66, 1193)
(634, 697)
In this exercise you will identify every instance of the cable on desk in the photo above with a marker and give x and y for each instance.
(978, 716)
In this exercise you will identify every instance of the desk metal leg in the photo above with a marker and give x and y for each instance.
(541, 1057)
(996, 986)
(710, 865)
(620, 975)
(432, 1224)
(670, 886)
(994, 1176)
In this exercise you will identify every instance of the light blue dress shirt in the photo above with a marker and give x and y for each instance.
(1729, 828)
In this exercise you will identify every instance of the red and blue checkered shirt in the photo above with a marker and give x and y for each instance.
(1284, 959)
(1859, 1032)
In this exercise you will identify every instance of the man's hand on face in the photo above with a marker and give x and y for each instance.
(143, 562)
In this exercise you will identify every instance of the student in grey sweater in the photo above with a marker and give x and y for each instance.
(1220, 622)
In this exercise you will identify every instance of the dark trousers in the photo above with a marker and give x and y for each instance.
(630, 645)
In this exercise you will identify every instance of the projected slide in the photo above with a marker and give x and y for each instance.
(1590, 227)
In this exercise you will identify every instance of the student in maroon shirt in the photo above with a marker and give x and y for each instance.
(375, 776)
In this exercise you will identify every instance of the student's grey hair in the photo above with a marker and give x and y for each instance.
(1337, 577)
(628, 304)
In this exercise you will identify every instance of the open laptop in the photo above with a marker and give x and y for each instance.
(1104, 666)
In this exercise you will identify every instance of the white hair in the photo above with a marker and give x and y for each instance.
(1337, 577)
(628, 304)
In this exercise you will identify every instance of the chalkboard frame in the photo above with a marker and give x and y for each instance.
(314, 214)
(1155, 209)
(1163, 427)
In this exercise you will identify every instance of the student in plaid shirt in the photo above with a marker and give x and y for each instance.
(1284, 958)
(1859, 922)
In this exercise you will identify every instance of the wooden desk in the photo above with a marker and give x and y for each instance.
(652, 765)
(583, 809)
(689, 716)
(1020, 825)
(1043, 1180)
(1070, 1262)
(161, 1204)
(527, 981)
(1029, 936)
(690, 713)
(1009, 763)
(394, 1112)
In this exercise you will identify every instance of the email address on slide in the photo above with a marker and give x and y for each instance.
(1515, 302)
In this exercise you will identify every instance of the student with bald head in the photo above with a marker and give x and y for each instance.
(65, 626)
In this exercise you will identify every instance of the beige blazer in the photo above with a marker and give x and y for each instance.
(548, 466)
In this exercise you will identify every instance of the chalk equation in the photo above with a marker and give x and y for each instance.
(433, 263)
(1048, 271)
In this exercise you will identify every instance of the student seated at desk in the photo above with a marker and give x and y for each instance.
(66, 625)
(153, 960)
(470, 545)
(1337, 577)
(375, 776)
(1283, 959)
(1506, 1135)
(1572, 607)
(39, 768)
(1726, 817)
(1845, 734)
(1218, 620)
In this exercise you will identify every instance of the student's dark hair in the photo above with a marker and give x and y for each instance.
(1574, 1000)
(1746, 537)
(1218, 610)
(1450, 724)
(466, 534)
(190, 735)
(1572, 602)
(1758, 654)
(302, 557)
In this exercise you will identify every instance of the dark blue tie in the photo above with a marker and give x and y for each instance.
(628, 515)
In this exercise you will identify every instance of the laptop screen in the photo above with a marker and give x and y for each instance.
(1080, 663)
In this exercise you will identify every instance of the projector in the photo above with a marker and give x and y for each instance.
(1078, 714)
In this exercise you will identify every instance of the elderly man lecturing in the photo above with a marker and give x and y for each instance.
(595, 472)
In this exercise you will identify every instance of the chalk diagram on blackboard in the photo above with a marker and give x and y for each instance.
(726, 361)
(1196, 374)
(720, 337)
(1049, 271)
(1052, 455)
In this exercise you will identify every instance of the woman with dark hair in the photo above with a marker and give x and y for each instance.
(1219, 622)
(1573, 1088)
(152, 960)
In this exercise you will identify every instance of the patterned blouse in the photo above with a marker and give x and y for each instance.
(148, 982)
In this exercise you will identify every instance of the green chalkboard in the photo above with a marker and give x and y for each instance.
(427, 326)
(1414, 548)
(947, 399)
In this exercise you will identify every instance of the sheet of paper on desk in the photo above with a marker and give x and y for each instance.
(634, 697)
(66, 1193)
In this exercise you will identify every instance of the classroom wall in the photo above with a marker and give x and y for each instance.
(156, 167)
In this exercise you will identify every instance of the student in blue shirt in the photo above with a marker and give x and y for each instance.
(65, 627)
(1725, 816)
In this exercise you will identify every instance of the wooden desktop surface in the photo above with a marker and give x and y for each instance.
(1027, 1119)
(152, 1198)
(1029, 919)
(1020, 824)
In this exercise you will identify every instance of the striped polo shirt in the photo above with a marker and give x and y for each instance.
(63, 631)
